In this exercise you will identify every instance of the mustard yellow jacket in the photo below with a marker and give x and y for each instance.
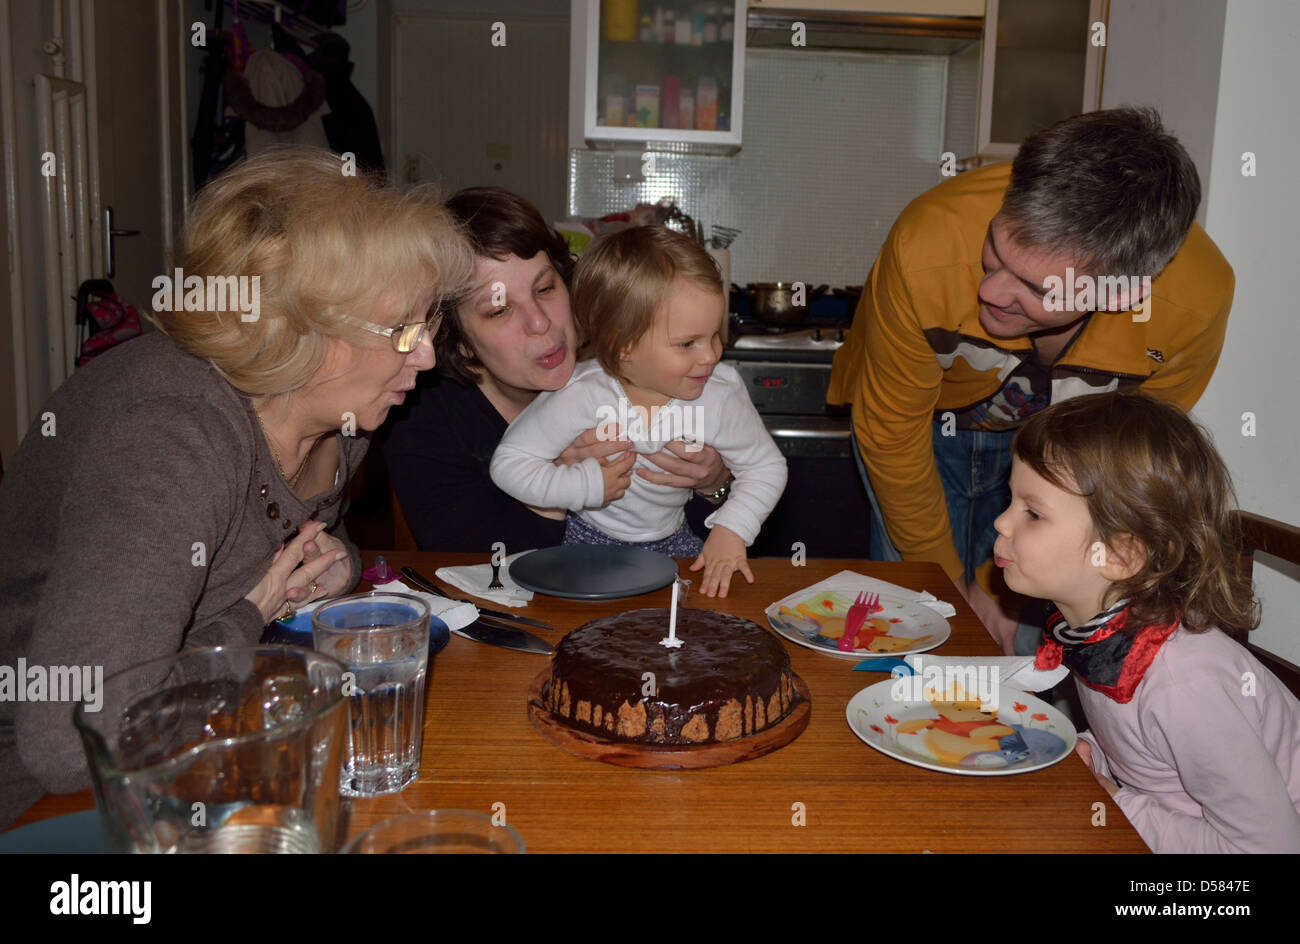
(917, 348)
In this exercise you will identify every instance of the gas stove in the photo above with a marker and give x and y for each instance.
(821, 331)
(802, 339)
(787, 372)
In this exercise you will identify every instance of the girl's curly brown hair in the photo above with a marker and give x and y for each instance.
(1148, 471)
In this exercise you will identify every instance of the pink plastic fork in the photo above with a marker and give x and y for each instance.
(862, 608)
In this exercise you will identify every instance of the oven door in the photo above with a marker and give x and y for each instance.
(825, 437)
(824, 507)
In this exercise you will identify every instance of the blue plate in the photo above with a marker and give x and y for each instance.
(70, 834)
(593, 571)
(297, 632)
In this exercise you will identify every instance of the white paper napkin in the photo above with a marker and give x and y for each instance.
(848, 581)
(1016, 672)
(455, 615)
(474, 579)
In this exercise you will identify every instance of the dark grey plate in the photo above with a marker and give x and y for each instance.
(593, 572)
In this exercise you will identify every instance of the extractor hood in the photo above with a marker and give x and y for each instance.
(862, 32)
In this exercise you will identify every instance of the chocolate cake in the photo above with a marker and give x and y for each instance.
(730, 679)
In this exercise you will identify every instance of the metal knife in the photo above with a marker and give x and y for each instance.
(416, 578)
(506, 638)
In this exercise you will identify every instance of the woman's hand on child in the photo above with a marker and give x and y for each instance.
(687, 465)
(593, 443)
(724, 553)
(616, 460)
(618, 475)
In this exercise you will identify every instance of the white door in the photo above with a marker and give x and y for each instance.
(87, 126)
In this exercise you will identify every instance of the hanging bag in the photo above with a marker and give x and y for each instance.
(103, 319)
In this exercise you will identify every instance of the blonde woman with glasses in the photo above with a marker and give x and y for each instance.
(188, 488)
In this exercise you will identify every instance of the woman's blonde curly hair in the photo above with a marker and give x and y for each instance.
(329, 249)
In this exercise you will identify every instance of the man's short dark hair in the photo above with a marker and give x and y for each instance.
(1110, 187)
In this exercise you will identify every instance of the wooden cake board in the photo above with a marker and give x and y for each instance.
(668, 757)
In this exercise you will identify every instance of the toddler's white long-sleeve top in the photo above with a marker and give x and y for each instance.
(723, 416)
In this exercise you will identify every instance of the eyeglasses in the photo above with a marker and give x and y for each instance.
(405, 337)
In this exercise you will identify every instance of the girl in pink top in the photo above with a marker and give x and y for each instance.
(1121, 515)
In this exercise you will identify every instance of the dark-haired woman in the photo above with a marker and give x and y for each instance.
(509, 338)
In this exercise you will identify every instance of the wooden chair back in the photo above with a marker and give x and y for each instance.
(1282, 540)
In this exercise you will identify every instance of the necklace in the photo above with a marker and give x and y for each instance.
(292, 480)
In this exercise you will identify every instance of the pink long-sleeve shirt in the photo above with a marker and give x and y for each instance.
(1207, 752)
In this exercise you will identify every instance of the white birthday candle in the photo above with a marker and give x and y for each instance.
(672, 642)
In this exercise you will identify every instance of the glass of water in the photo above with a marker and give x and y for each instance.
(437, 831)
(234, 749)
(383, 639)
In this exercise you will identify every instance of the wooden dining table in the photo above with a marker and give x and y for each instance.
(827, 791)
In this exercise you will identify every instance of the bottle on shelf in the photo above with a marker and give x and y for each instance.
(684, 25)
(706, 104)
(616, 102)
(620, 20)
(686, 109)
(712, 18)
(670, 112)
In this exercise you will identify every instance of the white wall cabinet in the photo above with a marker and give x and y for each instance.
(1041, 62)
(671, 71)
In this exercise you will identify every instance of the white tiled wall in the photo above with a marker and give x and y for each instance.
(961, 109)
(836, 144)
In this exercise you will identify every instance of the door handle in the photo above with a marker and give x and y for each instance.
(110, 262)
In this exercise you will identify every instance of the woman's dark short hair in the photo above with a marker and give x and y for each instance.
(1111, 188)
(498, 224)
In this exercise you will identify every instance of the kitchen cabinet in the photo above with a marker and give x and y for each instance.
(896, 7)
(671, 71)
(1041, 62)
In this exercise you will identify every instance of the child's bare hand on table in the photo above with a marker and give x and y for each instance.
(724, 553)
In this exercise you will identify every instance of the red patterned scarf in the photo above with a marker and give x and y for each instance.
(1099, 653)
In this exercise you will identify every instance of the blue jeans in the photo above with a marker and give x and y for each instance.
(975, 469)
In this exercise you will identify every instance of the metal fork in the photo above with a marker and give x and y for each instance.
(496, 583)
(862, 608)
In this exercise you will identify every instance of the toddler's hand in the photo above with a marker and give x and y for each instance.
(723, 555)
(618, 475)
(1084, 750)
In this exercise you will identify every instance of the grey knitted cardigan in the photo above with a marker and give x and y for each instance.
(135, 530)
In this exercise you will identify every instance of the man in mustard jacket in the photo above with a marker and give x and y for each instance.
(1076, 269)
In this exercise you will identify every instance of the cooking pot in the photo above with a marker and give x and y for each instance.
(773, 302)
